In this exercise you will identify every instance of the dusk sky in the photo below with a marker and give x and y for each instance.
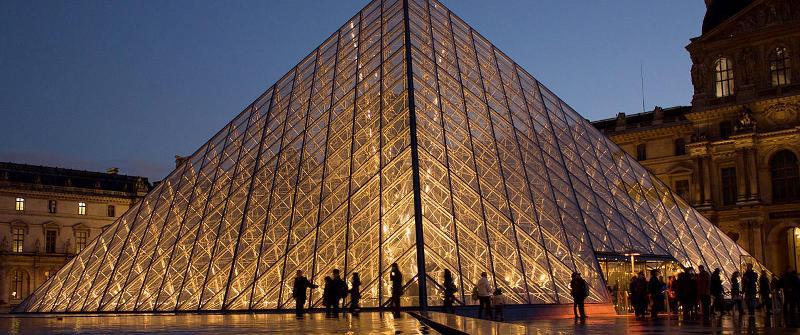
(129, 84)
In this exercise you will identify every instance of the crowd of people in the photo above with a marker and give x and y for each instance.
(702, 294)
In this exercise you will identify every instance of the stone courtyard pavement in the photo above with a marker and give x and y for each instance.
(377, 323)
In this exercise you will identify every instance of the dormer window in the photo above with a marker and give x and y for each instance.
(780, 67)
(723, 77)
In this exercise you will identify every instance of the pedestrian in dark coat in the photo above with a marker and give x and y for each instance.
(765, 292)
(750, 288)
(704, 291)
(328, 296)
(338, 291)
(639, 295)
(579, 290)
(715, 285)
(449, 292)
(656, 290)
(396, 278)
(301, 284)
(355, 293)
(736, 292)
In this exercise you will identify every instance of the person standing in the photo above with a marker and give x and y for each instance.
(498, 303)
(765, 292)
(639, 293)
(715, 287)
(749, 284)
(579, 290)
(327, 296)
(449, 292)
(775, 285)
(301, 284)
(338, 291)
(396, 278)
(656, 289)
(672, 296)
(484, 291)
(355, 294)
(736, 292)
(704, 291)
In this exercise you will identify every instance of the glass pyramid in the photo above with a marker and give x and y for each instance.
(405, 137)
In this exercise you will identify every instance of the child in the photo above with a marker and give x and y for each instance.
(498, 301)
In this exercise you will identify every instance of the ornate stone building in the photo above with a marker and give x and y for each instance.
(48, 214)
(734, 153)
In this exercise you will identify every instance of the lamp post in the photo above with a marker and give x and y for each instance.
(632, 254)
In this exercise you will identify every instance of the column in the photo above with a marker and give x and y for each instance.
(741, 175)
(697, 182)
(752, 173)
(707, 181)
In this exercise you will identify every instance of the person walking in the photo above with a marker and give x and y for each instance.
(484, 291)
(498, 303)
(749, 286)
(715, 287)
(396, 278)
(656, 290)
(736, 293)
(327, 296)
(299, 293)
(639, 292)
(672, 294)
(579, 290)
(765, 292)
(449, 292)
(704, 291)
(355, 294)
(338, 291)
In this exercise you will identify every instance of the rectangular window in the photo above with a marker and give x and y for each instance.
(725, 130)
(16, 285)
(728, 176)
(17, 238)
(81, 208)
(51, 206)
(682, 189)
(641, 152)
(112, 211)
(81, 238)
(20, 204)
(50, 241)
(680, 147)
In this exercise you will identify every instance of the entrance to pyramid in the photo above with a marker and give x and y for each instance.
(619, 268)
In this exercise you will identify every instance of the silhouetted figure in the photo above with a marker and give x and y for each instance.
(688, 293)
(355, 293)
(765, 292)
(639, 295)
(327, 296)
(775, 285)
(656, 290)
(672, 295)
(736, 293)
(498, 304)
(338, 291)
(716, 290)
(301, 284)
(789, 292)
(484, 296)
(749, 286)
(704, 291)
(396, 277)
(449, 292)
(579, 290)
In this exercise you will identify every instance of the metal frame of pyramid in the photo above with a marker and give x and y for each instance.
(405, 137)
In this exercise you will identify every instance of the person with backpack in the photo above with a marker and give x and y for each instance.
(579, 291)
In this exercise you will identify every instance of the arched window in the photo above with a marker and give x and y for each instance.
(780, 67)
(785, 176)
(723, 77)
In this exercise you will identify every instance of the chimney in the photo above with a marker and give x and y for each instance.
(658, 117)
(620, 122)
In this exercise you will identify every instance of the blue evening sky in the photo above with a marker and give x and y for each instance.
(96, 84)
